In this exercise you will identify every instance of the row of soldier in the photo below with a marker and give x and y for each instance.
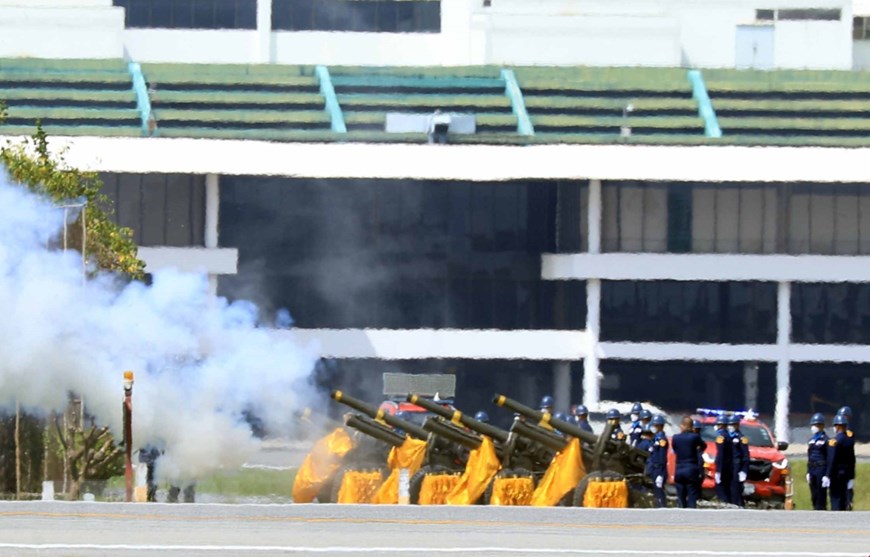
(830, 461)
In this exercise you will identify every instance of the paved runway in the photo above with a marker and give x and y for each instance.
(75, 529)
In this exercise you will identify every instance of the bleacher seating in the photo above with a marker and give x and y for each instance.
(791, 107)
(366, 95)
(69, 97)
(589, 104)
(565, 105)
(236, 101)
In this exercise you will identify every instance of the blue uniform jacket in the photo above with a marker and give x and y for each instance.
(688, 447)
(818, 454)
(740, 453)
(634, 432)
(645, 445)
(657, 463)
(841, 456)
(617, 434)
(584, 425)
(723, 453)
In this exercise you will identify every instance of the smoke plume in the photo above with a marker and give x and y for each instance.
(201, 363)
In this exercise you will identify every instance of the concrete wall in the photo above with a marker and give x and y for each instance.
(511, 32)
(61, 29)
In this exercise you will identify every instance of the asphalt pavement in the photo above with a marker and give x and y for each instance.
(54, 529)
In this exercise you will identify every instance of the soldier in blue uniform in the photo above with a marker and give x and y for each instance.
(646, 440)
(613, 418)
(841, 463)
(850, 485)
(547, 404)
(817, 463)
(724, 459)
(645, 416)
(688, 448)
(657, 463)
(740, 460)
(635, 429)
(581, 418)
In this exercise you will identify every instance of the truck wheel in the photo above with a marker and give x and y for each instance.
(580, 490)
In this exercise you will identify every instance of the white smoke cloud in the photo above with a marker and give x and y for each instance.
(200, 362)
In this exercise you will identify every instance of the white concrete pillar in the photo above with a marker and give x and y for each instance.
(591, 374)
(562, 386)
(750, 385)
(212, 218)
(783, 364)
(263, 54)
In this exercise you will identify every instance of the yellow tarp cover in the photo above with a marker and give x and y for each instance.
(562, 476)
(410, 455)
(358, 487)
(435, 488)
(482, 466)
(512, 491)
(320, 465)
(606, 495)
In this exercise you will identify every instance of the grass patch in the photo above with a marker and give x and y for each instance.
(249, 482)
(802, 490)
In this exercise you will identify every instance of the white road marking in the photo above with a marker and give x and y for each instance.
(418, 550)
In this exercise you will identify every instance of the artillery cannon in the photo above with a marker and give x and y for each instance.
(447, 446)
(603, 457)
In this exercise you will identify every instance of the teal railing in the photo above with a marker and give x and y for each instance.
(336, 116)
(143, 103)
(518, 104)
(705, 107)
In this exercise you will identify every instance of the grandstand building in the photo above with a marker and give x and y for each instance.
(639, 214)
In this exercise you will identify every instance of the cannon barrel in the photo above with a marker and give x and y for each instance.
(446, 430)
(548, 439)
(373, 429)
(377, 414)
(545, 418)
(457, 417)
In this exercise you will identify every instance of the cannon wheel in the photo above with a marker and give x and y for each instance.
(416, 483)
(506, 473)
(580, 490)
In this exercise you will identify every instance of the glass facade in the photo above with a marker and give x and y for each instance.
(682, 387)
(825, 219)
(398, 254)
(825, 387)
(688, 311)
(190, 14)
(371, 16)
(837, 313)
(162, 209)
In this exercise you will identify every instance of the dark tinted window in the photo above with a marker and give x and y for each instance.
(688, 311)
(398, 254)
(830, 313)
(190, 14)
(378, 16)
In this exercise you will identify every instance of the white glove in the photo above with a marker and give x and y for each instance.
(741, 477)
(826, 482)
(808, 479)
(718, 478)
(660, 481)
(850, 484)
